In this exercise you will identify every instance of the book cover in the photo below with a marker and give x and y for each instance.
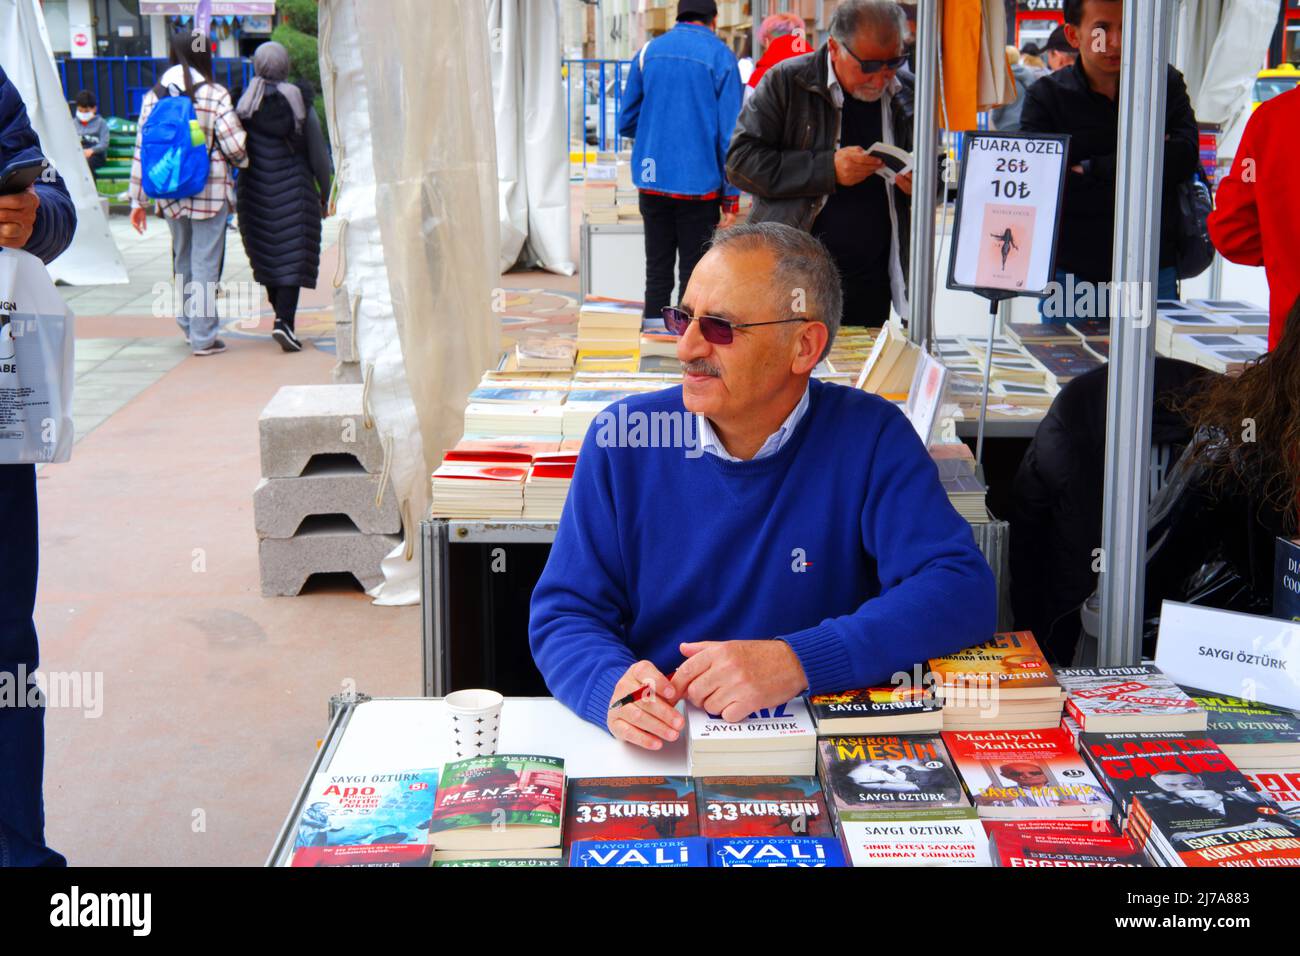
(891, 841)
(1207, 825)
(1118, 695)
(1064, 850)
(1280, 786)
(1011, 662)
(1007, 244)
(788, 726)
(1286, 579)
(762, 806)
(1064, 361)
(481, 800)
(832, 712)
(687, 852)
(379, 819)
(630, 808)
(868, 774)
(1231, 721)
(776, 852)
(513, 861)
(1026, 773)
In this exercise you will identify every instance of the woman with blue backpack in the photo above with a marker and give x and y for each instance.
(189, 138)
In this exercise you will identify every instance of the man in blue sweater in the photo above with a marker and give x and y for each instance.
(680, 105)
(39, 220)
(795, 538)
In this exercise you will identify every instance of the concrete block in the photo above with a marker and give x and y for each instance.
(323, 545)
(306, 420)
(327, 487)
(343, 328)
(346, 373)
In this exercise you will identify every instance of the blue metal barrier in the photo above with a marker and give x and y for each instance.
(121, 82)
(597, 87)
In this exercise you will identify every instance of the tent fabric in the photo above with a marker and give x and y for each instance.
(419, 242)
(25, 54)
(531, 139)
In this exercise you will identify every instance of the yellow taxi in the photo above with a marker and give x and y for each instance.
(1271, 83)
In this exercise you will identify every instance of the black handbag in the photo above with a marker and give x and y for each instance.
(1194, 252)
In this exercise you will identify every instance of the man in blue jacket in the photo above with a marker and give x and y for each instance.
(753, 533)
(680, 105)
(39, 220)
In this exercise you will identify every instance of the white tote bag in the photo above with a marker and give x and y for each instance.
(36, 367)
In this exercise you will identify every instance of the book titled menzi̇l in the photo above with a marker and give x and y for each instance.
(500, 802)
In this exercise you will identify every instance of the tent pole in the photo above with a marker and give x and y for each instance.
(925, 177)
(1139, 173)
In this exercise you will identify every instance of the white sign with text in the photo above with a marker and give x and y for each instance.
(1240, 655)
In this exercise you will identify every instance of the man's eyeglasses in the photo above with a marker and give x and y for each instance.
(715, 330)
(875, 66)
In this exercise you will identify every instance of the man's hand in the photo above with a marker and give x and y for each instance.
(904, 182)
(853, 165)
(139, 217)
(650, 721)
(87, 153)
(727, 221)
(18, 217)
(736, 678)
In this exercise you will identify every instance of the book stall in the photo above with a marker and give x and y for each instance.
(987, 758)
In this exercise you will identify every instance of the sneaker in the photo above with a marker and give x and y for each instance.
(285, 336)
(216, 348)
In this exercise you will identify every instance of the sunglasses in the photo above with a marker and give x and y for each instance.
(715, 330)
(875, 66)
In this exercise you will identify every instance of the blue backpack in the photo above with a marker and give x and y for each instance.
(174, 155)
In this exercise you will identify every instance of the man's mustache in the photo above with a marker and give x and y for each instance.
(702, 367)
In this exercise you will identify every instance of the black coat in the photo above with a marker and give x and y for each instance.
(279, 196)
(1057, 501)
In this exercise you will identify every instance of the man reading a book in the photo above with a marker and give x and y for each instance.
(800, 539)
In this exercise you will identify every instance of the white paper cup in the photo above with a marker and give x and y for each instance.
(474, 718)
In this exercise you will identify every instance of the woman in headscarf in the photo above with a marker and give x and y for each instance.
(284, 193)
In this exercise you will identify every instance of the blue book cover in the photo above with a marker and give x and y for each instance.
(1286, 580)
(687, 852)
(776, 851)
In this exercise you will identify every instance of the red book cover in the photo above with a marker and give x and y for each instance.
(762, 807)
(630, 808)
(1064, 850)
(1034, 773)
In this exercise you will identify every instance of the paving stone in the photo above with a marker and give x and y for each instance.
(327, 487)
(306, 420)
(326, 545)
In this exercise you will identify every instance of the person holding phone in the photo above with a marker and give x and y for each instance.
(38, 218)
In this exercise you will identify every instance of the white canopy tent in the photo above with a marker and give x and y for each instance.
(25, 54)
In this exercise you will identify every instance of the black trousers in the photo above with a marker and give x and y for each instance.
(284, 300)
(676, 233)
(867, 299)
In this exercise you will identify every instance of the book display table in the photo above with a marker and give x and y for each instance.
(374, 735)
(475, 581)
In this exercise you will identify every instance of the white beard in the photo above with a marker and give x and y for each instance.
(868, 96)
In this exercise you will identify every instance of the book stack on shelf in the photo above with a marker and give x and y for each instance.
(609, 335)
(781, 740)
(897, 801)
(503, 806)
(1127, 699)
(1254, 736)
(600, 193)
(1180, 798)
(966, 493)
(487, 485)
(547, 485)
(877, 710)
(1002, 684)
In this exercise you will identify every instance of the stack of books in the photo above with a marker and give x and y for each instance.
(1027, 774)
(1254, 736)
(877, 710)
(539, 352)
(1063, 362)
(1220, 352)
(344, 816)
(485, 485)
(897, 801)
(1060, 843)
(889, 368)
(1123, 699)
(1002, 684)
(547, 485)
(600, 193)
(781, 740)
(966, 493)
(1040, 333)
(500, 806)
(609, 335)
(1180, 798)
(583, 405)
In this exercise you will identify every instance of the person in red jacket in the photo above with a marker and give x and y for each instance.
(781, 36)
(1256, 220)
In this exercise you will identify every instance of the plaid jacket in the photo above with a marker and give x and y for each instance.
(215, 111)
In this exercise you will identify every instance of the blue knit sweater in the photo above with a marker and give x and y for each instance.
(843, 544)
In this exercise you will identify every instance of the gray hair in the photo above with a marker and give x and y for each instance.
(884, 18)
(803, 266)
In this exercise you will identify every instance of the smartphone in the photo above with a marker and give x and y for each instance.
(17, 176)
